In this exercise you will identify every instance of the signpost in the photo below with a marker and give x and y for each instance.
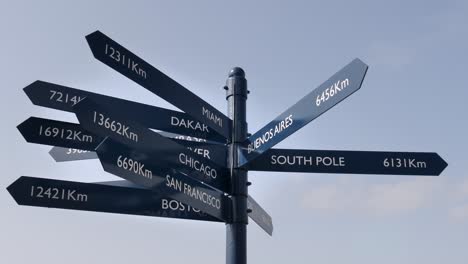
(195, 167)
(100, 198)
(236, 231)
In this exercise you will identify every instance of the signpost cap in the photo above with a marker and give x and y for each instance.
(237, 72)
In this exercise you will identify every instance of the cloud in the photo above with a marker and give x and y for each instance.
(376, 198)
(326, 197)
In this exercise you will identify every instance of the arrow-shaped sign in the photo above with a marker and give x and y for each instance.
(260, 216)
(211, 151)
(345, 161)
(214, 152)
(100, 198)
(75, 143)
(341, 85)
(60, 154)
(256, 212)
(57, 133)
(105, 123)
(122, 60)
(64, 98)
(143, 169)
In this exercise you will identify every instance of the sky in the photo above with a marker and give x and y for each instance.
(412, 99)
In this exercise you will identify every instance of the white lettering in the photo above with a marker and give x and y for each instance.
(271, 133)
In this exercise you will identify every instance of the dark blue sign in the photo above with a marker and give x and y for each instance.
(64, 98)
(122, 60)
(212, 151)
(105, 123)
(344, 161)
(100, 198)
(57, 133)
(114, 156)
(341, 85)
(260, 216)
(153, 173)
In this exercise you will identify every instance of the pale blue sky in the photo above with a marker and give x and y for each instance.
(413, 99)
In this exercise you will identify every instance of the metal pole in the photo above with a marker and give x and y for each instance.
(236, 230)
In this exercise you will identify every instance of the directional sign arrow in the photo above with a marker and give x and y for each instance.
(143, 169)
(344, 161)
(64, 98)
(57, 133)
(112, 156)
(99, 198)
(122, 60)
(341, 85)
(166, 204)
(105, 123)
(60, 154)
(256, 212)
(260, 216)
(215, 152)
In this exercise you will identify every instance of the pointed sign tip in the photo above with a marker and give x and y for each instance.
(10, 188)
(22, 127)
(270, 231)
(93, 33)
(29, 89)
(443, 163)
(52, 154)
(25, 125)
